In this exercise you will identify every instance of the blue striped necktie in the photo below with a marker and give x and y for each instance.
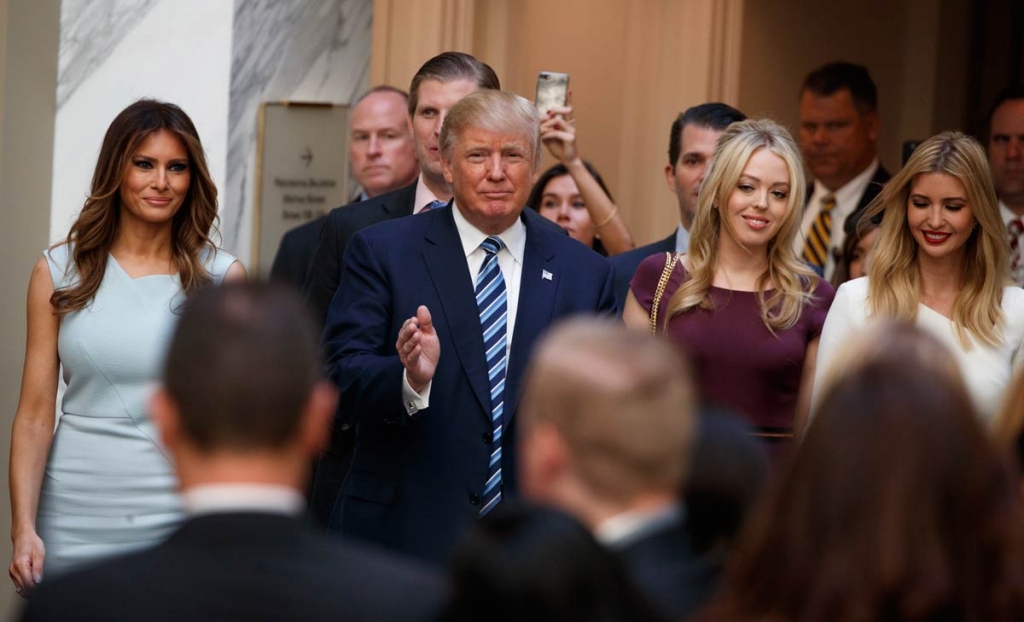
(491, 299)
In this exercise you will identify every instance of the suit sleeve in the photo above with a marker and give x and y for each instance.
(607, 303)
(359, 340)
(325, 269)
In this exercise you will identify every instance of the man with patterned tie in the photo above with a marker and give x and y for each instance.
(430, 335)
(839, 139)
(439, 83)
(1006, 159)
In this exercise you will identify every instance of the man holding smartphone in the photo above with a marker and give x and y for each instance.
(691, 144)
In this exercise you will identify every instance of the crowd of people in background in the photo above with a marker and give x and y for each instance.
(804, 403)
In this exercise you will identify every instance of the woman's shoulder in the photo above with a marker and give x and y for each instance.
(217, 261)
(1013, 303)
(654, 265)
(60, 259)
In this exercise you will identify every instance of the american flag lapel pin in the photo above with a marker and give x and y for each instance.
(544, 274)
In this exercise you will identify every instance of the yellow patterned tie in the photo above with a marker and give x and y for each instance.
(819, 237)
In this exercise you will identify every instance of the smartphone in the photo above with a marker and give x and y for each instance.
(552, 90)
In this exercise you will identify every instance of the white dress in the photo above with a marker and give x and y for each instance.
(987, 370)
(109, 486)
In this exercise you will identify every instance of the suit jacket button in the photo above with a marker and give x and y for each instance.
(488, 437)
(474, 499)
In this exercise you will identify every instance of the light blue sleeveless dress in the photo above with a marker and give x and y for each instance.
(109, 486)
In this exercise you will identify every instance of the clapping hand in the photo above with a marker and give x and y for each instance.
(419, 349)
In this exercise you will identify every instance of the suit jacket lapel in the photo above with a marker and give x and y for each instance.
(537, 287)
(447, 266)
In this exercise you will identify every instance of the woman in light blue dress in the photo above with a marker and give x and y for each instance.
(101, 305)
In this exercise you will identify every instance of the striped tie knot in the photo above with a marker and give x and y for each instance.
(492, 245)
(436, 204)
(1016, 227)
(819, 237)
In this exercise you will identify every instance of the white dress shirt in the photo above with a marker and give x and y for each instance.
(682, 239)
(510, 260)
(1018, 273)
(221, 498)
(424, 196)
(624, 529)
(847, 199)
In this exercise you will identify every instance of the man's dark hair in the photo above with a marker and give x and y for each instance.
(242, 365)
(714, 116)
(449, 66)
(829, 79)
(1015, 91)
(383, 88)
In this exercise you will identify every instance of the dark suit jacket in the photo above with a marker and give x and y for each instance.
(416, 482)
(291, 263)
(625, 264)
(669, 572)
(242, 566)
(342, 223)
(878, 180)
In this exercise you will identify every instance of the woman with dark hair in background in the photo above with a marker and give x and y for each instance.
(941, 260)
(532, 563)
(101, 305)
(572, 194)
(896, 506)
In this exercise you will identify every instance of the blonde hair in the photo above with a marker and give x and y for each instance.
(793, 282)
(495, 111)
(894, 283)
(623, 402)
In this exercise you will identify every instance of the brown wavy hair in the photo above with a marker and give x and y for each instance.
(96, 228)
(896, 506)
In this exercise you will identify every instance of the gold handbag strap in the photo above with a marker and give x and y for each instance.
(666, 274)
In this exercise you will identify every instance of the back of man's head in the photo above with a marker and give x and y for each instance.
(622, 402)
(241, 367)
(449, 66)
(712, 115)
(831, 78)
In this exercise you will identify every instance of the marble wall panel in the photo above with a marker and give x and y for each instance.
(286, 50)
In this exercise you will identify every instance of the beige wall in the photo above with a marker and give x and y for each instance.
(916, 55)
(635, 64)
(29, 30)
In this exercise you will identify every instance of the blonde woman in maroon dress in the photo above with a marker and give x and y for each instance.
(741, 304)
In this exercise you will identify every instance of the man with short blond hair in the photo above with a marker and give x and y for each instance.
(609, 421)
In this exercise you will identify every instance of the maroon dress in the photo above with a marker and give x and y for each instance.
(739, 364)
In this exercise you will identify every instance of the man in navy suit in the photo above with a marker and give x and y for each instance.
(382, 158)
(439, 83)
(691, 144)
(241, 427)
(607, 430)
(434, 410)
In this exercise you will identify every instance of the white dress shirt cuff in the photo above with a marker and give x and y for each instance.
(413, 401)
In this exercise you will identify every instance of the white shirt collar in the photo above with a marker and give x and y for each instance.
(1006, 213)
(623, 529)
(221, 498)
(682, 239)
(514, 237)
(424, 196)
(849, 195)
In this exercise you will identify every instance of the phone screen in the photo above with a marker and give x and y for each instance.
(552, 90)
